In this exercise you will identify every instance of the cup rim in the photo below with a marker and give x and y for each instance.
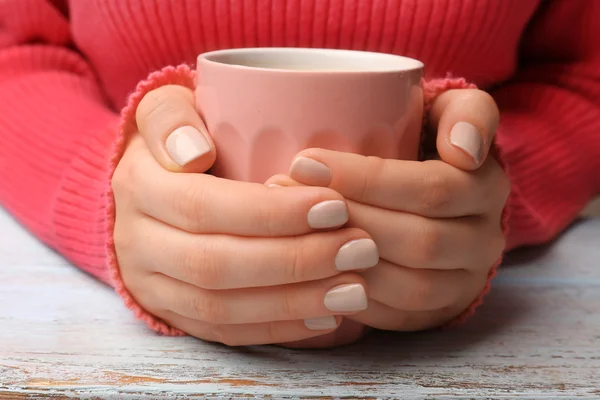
(388, 63)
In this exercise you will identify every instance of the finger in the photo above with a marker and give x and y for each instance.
(429, 243)
(281, 180)
(380, 316)
(172, 129)
(207, 261)
(202, 203)
(412, 289)
(425, 243)
(348, 332)
(431, 188)
(253, 334)
(340, 295)
(466, 121)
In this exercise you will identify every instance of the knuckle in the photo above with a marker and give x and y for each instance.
(199, 266)
(190, 205)
(209, 272)
(215, 310)
(209, 309)
(188, 263)
(429, 246)
(438, 194)
(293, 261)
(373, 170)
(285, 309)
(268, 218)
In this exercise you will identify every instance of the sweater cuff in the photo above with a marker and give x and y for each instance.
(431, 90)
(181, 75)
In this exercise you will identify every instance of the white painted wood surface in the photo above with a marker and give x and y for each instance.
(63, 335)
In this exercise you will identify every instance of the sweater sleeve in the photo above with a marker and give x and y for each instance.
(548, 141)
(55, 134)
(549, 134)
(60, 141)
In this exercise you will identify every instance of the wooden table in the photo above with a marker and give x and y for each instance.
(63, 335)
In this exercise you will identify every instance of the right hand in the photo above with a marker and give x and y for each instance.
(232, 262)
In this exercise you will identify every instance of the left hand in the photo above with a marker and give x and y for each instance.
(437, 223)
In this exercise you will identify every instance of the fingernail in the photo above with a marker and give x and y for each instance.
(346, 298)
(310, 172)
(328, 214)
(468, 138)
(185, 144)
(321, 324)
(357, 254)
(274, 185)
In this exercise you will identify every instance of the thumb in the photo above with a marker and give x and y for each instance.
(173, 131)
(465, 121)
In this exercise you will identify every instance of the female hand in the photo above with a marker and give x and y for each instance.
(231, 262)
(437, 227)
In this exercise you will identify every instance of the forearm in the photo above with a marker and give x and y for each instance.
(549, 139)
(549, 132)
(55, 134)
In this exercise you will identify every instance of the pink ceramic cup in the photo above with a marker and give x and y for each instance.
(264, 105)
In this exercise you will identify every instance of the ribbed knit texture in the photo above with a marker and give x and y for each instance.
(69, 85)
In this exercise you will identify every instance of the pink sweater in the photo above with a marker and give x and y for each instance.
(71, 74)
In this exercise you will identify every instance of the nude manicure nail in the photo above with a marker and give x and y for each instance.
(468, 138)
(321, 324)
(185, 144)
(346, 298)
(357, 254)
(310, 172)
(328, 214)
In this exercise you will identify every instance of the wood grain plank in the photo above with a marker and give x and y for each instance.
(64, 335)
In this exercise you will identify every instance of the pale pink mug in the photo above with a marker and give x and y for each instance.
(264, 105)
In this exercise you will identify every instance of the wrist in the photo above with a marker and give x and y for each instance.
(181, 75)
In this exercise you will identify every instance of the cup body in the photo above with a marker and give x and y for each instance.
(263, 106)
